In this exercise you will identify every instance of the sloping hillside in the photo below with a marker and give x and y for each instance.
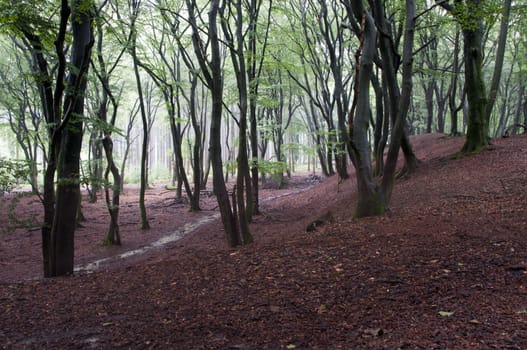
(446, 267)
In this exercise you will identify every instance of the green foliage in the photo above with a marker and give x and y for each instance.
(471, 13)
(231, 165)
(272, 167)
(35, 17)
(13, 172)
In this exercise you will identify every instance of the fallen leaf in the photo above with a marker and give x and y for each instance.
(338, 268)
(321, 309)
(474, 322)
(446, 313)
(374, 332)
(291, 346)
(107, 324)
(274, 308)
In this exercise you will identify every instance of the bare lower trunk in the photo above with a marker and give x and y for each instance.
(112, 236)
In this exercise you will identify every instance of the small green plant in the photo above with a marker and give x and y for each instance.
(16, 221)
(273, 168)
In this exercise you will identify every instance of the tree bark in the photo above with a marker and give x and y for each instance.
(398, 133)
(144, 145)
(471, 23)
(212, 74)
(68, 189)
(370, 201)
(112, 236)
(243, 183)
(477, 128)
(500, 55)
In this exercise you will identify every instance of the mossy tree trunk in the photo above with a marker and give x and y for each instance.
(470, 15)
(477, 125)
(68, 164)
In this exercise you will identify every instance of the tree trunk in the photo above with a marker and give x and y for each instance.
(471, 22)
(212, 72)
(372, 199)
(369, 202)
(68, 189)
(398, 133)
(112, 236)
(452, 92)
(144, 145)
(477, 128)
(500, 54)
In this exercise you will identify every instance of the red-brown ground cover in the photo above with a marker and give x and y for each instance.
(446, 267)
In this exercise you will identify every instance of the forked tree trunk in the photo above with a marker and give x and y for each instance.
(212, 72)
(373, 199)
(112, 236)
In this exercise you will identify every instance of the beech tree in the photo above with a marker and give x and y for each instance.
(233, 11)
(166, 72)
(128, 38)
(62, 96)
(211, 70)
(104, 68)
(471, 16)
(373, 197)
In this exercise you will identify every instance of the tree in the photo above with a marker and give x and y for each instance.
(500, 54)
(373, 199)
(129, 39)
(235, 42)
(166, 74)
(104, 70)
(254, 70)
(471, 18)
(323, 48)
(212, 75)
(68, 162)
(61, 92)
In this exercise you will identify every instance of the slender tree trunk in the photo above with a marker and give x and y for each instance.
(500, 54)
(144, 145)
(452, 93)
(196, 149)
(398, 132)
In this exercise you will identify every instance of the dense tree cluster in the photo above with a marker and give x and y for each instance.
(244, 88)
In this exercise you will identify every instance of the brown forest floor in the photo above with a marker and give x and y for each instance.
(445, 268)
